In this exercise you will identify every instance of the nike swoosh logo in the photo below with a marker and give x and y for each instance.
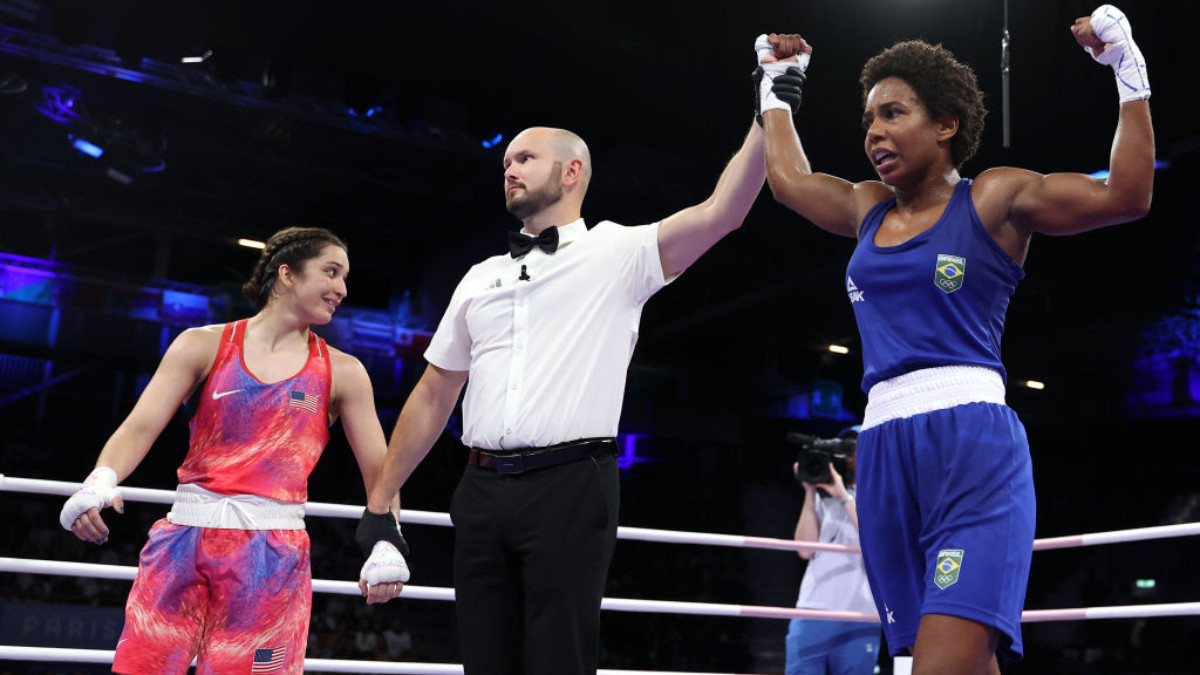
(223, 394)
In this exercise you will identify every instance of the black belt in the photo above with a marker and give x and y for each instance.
(531, 459)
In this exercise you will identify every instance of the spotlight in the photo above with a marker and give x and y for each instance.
(251, 243)
(197, 59)
(86, 147)
(839, 349)
(61, 103)
(495, 140)
(1034, 384)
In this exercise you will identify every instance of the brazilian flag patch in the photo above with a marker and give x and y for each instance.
(949, 562)
(949, 272)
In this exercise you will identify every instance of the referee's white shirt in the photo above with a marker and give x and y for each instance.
(548, 356)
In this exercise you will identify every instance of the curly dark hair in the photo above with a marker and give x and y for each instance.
(943, 84)
(291, 246)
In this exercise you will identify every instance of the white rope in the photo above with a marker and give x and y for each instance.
(1124, 612)
(126, 573)
(12, 653)
(63, 488)
(58, 654)
(135, 494)
(1118, 536)
(735, 541)
(643, 534)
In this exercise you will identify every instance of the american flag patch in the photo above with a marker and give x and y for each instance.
(268, 660)
(299, 399)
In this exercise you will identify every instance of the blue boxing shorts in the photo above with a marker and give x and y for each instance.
(946, 512)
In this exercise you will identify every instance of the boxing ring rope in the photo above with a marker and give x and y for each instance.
(127, 573)
(66, 489)
(55, 654)
(310, 665)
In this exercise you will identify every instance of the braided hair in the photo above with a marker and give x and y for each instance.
(945, 85)
(291, 246)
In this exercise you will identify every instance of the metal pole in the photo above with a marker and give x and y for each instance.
(1004, 73)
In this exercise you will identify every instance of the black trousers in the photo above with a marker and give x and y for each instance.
(531, 556)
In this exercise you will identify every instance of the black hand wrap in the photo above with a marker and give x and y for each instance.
(375, 527)
(789, 87)
(756, 78)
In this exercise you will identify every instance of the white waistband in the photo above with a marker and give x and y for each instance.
(198, 507)
(929, 389)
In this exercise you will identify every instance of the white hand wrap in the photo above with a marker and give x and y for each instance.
(1121, 52)
(98, 492)
(763, 49)
(385, 565)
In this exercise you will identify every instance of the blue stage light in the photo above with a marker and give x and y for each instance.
(496, 140)
(1159, 165)
(86, 147)
(369, 112)
(628, 455)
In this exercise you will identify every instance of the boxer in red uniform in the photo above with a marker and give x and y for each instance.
(225, 577)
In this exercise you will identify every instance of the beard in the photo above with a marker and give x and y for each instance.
(537, 199)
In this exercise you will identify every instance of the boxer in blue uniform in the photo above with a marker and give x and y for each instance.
(946, 500)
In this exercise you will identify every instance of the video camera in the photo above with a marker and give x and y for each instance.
(816, 454)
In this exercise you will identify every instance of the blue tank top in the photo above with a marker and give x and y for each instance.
(938, 299)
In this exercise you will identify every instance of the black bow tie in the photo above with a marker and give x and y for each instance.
(520, 244)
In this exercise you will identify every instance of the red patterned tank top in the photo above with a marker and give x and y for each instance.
(253, 438)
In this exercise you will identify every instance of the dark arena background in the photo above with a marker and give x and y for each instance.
(139, 141)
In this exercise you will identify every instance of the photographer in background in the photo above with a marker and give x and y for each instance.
(832, 581)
